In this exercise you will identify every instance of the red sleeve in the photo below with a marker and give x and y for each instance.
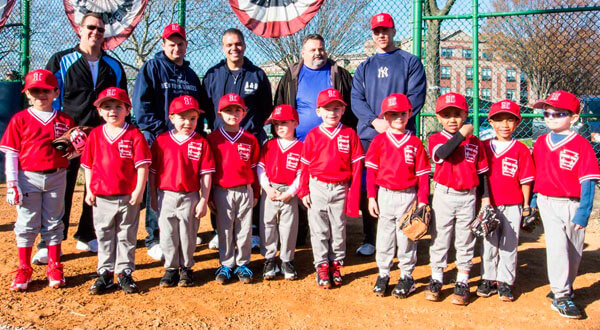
(304, 163)
(526, 168)
(588, 164)
(372, 164)
(207, 164)
(263, 152)
(423, 168)
(142, 154)
(433, 144)
(11, 140)
(254, 159)
(482, 163)
(353, 198)
(86, 155)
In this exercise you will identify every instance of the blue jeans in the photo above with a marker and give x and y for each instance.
(151, 216)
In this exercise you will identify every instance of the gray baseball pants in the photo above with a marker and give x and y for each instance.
(453, 211)
(42, 207)
(392, 205)
(564, 243)
(327, 221)
(116, 224)
(499, 250)
(178, 227)
(279, 223)
(234, 224)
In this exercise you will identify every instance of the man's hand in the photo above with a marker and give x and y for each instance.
(373, 207)
(380, 125)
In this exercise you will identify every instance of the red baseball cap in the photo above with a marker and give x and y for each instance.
(113, 93)
(562, 100)
(451, 100)
(40, 78)
(172, 29)
(506, 106)
(283, 112)
(231, 99)
(183, 103)
(395, 103)
(382, 19)
(329, 95)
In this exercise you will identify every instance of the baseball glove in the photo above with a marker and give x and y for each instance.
(415, 222)
(73, 141)
(485, 222)
(530, 219)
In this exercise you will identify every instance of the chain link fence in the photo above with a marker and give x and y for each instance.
(488, 50)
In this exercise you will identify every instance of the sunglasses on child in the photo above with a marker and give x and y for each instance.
(94, 27)
(560, 114)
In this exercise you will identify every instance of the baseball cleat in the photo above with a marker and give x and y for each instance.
(381, 285)
(432, 293)
(22, 278)
(487, 288)
(55, 274)
(461, 294)
(404, 288)
(323, 275)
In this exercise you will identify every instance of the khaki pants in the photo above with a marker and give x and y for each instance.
(278, 223)
(234, 224)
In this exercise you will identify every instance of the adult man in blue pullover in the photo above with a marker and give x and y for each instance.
(237, 74)
(159, 81)
(390, 70)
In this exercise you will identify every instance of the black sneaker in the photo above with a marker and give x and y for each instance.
(289, 271)
(104, 282)
(487, 288)
(186, 277)
(404, 288)
(126, 282)
(432, 292)
(244, 274)
(550, 295)
(504, 292)
(381, 285)
(566, 308)
(270, 270)
(461, 294)
(170, 278)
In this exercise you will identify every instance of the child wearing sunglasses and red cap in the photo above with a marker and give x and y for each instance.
(568, 170)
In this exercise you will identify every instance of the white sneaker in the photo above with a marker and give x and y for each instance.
(82, 246)
(93, 245)
(155, 252)
(40, 257)
(366, 250)
(255, 242)
(198, 240)
(214, 243)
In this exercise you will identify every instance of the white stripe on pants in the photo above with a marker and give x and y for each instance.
(279, 222)
(564, 243)
(327, 221)
(392, 205)
(178, 227)
(499, 249)
(234, 224)
(42, 208)
(116, 224)
(453, 211)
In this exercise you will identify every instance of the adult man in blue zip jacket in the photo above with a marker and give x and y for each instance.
(158, 82)
(390, 70)
(237, 74)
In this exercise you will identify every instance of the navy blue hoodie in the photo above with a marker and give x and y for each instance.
(254, 87)
(160, 81)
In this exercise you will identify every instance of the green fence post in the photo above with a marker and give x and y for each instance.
(475, 67)
(416, 46)
(25, 37)
(181, 18)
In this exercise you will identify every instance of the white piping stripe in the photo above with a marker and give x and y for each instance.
(209, 170)
(419, 173)
(40, 119)
(189, 137)
(395, 141)
(564, 141)
(447, 134)
(8, 148)
(497, 155)
(526, 180)
(331, 135)
(228, 137)
(142, 162)
(111, 141)
(359, 158)
(589, 177)
(283, 150)
(483, 170)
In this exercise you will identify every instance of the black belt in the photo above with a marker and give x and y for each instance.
(50, 171)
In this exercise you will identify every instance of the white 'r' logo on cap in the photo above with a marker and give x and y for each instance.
(232, 98)
(392, 101)
(379, 18)
(450, 98)
(505, 105)
(187, 100)
(37, 76)
(554, 96)
(331, 93)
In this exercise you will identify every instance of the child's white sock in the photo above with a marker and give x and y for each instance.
(462, 277)
(438, 276)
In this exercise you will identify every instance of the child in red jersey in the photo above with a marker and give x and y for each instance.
(567, 173)
(36, 176)
(279, 175)
(397, 176)
(460, 164)
(330, 185)
(182, 165)
(510, 176)
(115, 160)
(235, 189)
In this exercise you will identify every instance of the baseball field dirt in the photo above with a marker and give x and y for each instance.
(283, 304)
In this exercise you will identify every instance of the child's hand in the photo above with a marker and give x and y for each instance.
(421, 204)
(272, 193)
(90, 199)
(485, 201)
(14, 196)
(373, 208)
(136, 197)
(285, 197)
(466, 130)
(200, 208)
(578, 227)
(306, 201)
(254, 202)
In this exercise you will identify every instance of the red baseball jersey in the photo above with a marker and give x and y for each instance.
(236, 156)
(461, 169)
(509, 169)
(281, 165)
(114, 161)
(397, 160)
(31, 137)
(179, 165)
(564, 165)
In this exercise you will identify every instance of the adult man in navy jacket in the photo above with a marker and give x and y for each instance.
(159, 81)
(237, 74)
(390, 70)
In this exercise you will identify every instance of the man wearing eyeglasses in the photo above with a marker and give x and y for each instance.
(82, 72)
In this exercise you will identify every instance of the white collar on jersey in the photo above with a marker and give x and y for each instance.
(561, 143)
(180, 139)
(331, 135)
(34, 114)
(398, 143)
(118, 136)
(288, 147)
(447, 134)
(502, 151)
(228, 137)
